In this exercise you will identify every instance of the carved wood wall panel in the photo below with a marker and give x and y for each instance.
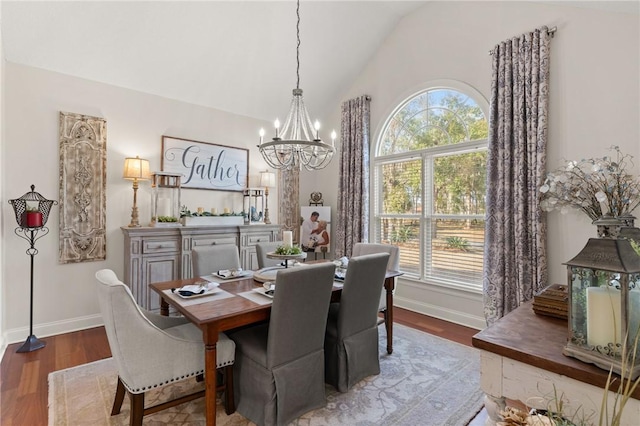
(83, 161)
(289, 201)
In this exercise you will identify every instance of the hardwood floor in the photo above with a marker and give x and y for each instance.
(23, 376)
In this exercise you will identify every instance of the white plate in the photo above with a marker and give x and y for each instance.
(240, 275)
(263, 291)
(267, 274)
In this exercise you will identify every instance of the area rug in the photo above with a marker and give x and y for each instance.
(426, 381)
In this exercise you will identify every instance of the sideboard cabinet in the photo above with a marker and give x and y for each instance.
(156, 254)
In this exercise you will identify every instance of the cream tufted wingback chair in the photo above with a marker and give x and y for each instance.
(152, 350)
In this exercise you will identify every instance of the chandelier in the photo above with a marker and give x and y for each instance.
(297, 144)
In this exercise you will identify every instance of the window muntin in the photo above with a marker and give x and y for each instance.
(429, 187)
(433, 118)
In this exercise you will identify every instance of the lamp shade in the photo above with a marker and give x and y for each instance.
(136, 168)
(267, 179)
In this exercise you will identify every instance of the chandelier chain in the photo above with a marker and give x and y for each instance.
(297, 142)
(298, 47)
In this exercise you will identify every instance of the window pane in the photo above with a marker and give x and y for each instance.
(404, 233)
(433, 118)
(459, 183)
(402, 187)
(457, 250)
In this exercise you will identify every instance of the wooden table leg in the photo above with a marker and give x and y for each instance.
(389, 285)
(210, 335)
(164, 307)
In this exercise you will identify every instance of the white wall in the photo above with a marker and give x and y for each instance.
(64, 294)
(3, 342)
(594, 102)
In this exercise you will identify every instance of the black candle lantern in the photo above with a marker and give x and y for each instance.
(32, 212)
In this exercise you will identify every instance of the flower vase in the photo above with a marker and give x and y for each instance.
(608, 226)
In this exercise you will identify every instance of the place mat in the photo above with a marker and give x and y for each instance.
(256, 297)
(213, 279)
(216, 295)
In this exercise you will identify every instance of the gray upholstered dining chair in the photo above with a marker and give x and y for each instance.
(208, 259)
(279, 368)
(152, 350)
(351, 339)
(393, 264)
(261, 251)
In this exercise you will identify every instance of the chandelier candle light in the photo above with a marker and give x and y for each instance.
(298, 143)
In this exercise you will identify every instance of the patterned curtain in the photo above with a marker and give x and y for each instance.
(515, 261)
(353, 191)
(289, 201)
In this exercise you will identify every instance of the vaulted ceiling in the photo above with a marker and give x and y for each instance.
(238, 56)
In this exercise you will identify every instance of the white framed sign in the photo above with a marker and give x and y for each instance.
(205, 165)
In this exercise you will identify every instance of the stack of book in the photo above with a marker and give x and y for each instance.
(553, 301)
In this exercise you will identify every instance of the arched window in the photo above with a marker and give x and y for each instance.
(429, 174)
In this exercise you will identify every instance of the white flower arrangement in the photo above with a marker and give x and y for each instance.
(591, 184)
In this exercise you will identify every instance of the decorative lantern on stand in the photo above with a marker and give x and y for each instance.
(604, 300)
(32, 212)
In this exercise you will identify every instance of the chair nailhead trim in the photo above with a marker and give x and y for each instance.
(146, 388)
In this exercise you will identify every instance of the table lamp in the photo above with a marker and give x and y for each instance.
(135, 169)
(267, 180)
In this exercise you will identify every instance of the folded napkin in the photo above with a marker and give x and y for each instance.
(194, 289)
(197, 288)
(269, 285)
(228, 273)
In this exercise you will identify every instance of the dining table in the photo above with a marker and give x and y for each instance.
(235, 303)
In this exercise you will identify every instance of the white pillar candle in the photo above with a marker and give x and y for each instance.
(603, 316)
(214, 210)
(287, 238)
(634, 313)
(164, 207)
(226, 210)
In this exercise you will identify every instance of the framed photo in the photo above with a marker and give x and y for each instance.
(205, 165)
(315, 228)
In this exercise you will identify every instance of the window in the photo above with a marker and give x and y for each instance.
(429, 184)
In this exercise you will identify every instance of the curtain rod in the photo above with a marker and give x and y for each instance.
(551, 31)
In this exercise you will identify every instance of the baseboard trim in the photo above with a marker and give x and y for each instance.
(20, 334)
(456, 317)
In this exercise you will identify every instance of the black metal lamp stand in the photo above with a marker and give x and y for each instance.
(32, 211)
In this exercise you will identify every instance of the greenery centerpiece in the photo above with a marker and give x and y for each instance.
(200, 217)
(288, 251)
